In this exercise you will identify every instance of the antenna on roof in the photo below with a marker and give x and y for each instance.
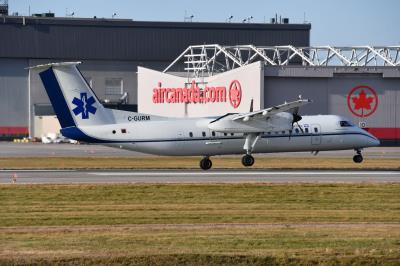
(67, 14)
(188, 18)
(114, 15)
(229, 19)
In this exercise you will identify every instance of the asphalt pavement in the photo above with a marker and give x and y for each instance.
(195, 176)
(10, 149)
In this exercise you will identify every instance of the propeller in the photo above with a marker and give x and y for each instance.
(251, 106)
(296, 119)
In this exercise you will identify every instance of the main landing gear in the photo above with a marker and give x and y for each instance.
(205, 163)
(250, 142)
(247, 160)
(358, 158)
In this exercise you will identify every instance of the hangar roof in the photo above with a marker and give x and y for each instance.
(123, 39)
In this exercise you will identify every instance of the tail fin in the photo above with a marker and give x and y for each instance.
(73, 100)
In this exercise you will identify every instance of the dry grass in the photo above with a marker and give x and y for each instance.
(192, 162)
(246, 224)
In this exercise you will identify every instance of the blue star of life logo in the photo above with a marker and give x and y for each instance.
(84, 105)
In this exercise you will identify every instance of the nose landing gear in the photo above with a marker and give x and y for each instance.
(205, 163)
(358, 158)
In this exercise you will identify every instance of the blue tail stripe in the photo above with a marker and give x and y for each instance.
(57, 98)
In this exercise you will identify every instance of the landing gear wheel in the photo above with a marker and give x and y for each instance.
(247, 160)
(205, 163)
(358, 158)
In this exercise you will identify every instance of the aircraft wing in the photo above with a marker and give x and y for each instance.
(264, 113)
(273, 118)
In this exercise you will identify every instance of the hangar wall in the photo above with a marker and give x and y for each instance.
(330, 89)
(13, 97)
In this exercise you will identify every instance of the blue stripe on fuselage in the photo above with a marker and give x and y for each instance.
(56, 97)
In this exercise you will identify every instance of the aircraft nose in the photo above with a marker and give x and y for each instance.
(372, 140)
(376, 142)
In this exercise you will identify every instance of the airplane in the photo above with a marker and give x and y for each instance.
(276, 129)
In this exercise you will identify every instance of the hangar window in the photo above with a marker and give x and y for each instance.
(191, 134)
(345, 124)
(113, 89)
(203, 134)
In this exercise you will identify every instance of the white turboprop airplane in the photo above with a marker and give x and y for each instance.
(276, 129)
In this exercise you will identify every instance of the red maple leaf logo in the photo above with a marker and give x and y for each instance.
(362, 101)
(235, 93)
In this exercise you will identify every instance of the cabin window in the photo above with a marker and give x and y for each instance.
(345, 124)
(297, 130)
(203, 134)
(213, 133)
(114, 131)
(191, 134)
(225, 134)
(269, 133)
(306, 129)
(123, 130)
(232, 134)
(315, 129)
(283, 131)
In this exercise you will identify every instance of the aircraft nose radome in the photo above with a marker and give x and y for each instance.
(376, 142)
(373, 141)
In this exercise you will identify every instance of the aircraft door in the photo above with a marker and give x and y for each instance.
(315, 134)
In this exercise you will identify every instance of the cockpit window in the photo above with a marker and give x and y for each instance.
(345, 124)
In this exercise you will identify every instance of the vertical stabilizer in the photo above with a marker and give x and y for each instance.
(72, 99)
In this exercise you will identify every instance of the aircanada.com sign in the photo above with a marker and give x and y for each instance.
(196, 94)
(178, 95)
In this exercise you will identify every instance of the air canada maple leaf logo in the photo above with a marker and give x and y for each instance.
(84, 105)
(362, 101)
(235, 93)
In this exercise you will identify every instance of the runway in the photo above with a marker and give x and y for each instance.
(10, 149)
(195, 176)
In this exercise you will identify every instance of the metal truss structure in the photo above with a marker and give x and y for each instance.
(206, 60)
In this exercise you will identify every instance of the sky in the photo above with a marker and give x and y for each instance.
(334, 22)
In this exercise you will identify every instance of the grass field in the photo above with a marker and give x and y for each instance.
(245, 224)
(192, 162)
